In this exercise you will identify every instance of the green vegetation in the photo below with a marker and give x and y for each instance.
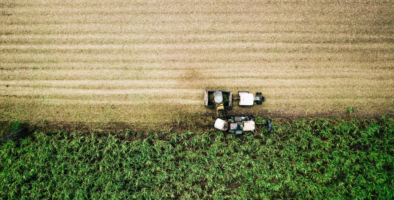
(15, 126)
(309, 159)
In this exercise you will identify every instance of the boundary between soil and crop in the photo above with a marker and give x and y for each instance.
(197, 122)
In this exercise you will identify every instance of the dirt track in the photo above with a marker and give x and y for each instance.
(149, 62)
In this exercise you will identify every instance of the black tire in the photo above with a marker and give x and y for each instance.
(258, 93)
(269, 126)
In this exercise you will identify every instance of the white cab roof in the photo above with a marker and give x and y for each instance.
(249, 126)
(219, 124)
(246, 99)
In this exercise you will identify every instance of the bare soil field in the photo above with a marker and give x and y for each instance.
(148, 62)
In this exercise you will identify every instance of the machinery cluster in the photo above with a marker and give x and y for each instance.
(222, 100)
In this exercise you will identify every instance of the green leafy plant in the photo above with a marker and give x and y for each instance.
(345, 160)
(178, 120)
(15, 126)
(350, 110)
(260, 120)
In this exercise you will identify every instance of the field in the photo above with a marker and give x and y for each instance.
(148, 62)
(110, 96)
(309, 159)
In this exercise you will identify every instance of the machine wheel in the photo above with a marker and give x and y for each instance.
(269, 126)
(258, 93)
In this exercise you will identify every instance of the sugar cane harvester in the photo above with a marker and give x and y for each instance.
(222, 99)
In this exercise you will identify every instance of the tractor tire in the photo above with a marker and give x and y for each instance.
(269, 126)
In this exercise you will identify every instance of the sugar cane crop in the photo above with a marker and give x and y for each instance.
(309, 159)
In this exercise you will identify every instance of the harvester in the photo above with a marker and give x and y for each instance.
(222, 100)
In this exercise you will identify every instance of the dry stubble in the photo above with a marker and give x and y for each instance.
(149, 62)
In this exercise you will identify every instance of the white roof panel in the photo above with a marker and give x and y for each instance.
(246, 99)
(249, 126)
(219, 124)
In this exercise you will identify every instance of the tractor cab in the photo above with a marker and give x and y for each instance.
(241, 124)
(248, 99)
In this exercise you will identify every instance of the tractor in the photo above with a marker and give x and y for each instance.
(223, 99)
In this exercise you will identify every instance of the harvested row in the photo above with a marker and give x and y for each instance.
(185, 28)
(345, 66)
(168, 38)
(198, 57)
(297, 93)
(228, 47)
(190, 75)
(201, 84)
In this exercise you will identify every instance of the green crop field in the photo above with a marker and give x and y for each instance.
(309, 159)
